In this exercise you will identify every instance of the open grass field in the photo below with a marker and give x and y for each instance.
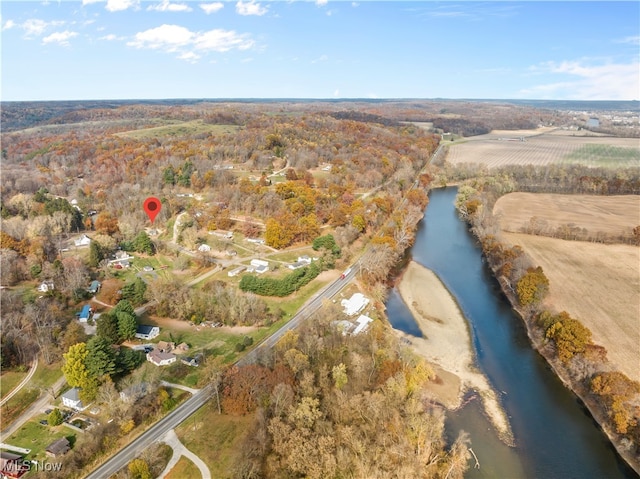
(611, 215)
(184, 468)
(9, 380)
(505, 148)
(183, 128)
(215, 438)
(597, 284)
(33, 435)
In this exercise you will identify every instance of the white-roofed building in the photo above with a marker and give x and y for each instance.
(362, 323)
(355, 304)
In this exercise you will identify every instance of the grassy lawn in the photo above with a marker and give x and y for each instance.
(162, 265)
(9, 380)
(184, 468)
(33, 435)
(44, 377)
(214, 438)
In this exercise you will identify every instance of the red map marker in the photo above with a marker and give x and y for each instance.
(152, 207)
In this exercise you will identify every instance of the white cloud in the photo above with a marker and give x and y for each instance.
(110, 38)
(87, 2)
(167, 6)
(119, 5)
(336, 93)
(635, 40)
(168, 37)
(61, 38)
(33, 27)
(211, 7)
(250, 8)
(582, 80)
(9, 24)
(321, 58)
(189, 45)
(321, 3)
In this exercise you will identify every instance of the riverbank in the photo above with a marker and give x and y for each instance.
(447, 345)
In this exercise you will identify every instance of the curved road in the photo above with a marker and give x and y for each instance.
(14, 391)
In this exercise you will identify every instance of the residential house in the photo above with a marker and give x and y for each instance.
(94, 287)
(236, 271)
(182, 347)
(260, 266)
(355, 304)
(362, 323)
(46, 286)
(302, 261)
(58, 448)
(121, 260)
(84, 240)
(71, 399)
(85, 314)
(12, 466)
(145, 331)
(161, 359)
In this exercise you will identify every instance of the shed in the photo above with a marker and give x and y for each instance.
(85, 314)
(58, 448)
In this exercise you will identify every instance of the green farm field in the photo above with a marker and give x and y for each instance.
(186, 128)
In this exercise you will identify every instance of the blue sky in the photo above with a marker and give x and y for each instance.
(136, 49)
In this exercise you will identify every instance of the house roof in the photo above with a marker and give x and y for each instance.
(95, 284)
(72, 394)
(355, 304)
(61, 446)
(156, 356)
(86, 309)
(361, 323)
(144, 329)
(166, 345)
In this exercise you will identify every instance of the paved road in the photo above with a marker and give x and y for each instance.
(14, 391)
(180, 450)
(151, 435)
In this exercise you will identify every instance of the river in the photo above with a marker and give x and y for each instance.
(555, 435)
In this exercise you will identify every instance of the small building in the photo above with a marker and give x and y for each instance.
(182, 347)
(84, 240)
(302, 262)
(145, 331)
(46, 286)
(260, 266)
(58, 448)
(94, 287)
(85, 314)
(121, 260)
(12, 466)
(255, 240)
(71, 399)
(236, 271)
(165, 347)
(228, 235)
(161, 359)
(189, 361)
(355, 304)
(204, 248)
(362, 323)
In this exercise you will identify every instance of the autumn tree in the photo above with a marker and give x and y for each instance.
(532, 287)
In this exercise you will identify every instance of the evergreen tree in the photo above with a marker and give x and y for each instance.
(101, 359)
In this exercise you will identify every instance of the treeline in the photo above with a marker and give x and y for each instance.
(569, 231)
(563, 340)
(329, 405)
(284, 286)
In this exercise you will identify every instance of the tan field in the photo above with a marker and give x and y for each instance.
(597, 284)
(544, 147)
(611, 215)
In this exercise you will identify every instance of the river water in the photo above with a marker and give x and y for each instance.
(555, 436)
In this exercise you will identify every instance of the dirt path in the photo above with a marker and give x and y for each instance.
(14, 391)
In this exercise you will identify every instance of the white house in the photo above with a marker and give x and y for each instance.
(302, 261)
(46, 286)
(145, 331)
(161, 359)
(362, 323)
(260, 266)
(121, 260)
(204, 248)
(71, 399)
(84, 240)
(355, 304)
